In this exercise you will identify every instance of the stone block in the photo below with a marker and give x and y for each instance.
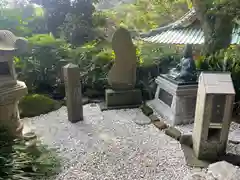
(175, 102)
(153, 118)
(146, 110)
(173, 132)
(123, 97)
(141, 119)
(160, 125)
(186, 139)
(224, 171)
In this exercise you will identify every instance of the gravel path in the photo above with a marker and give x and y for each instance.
(109, 145)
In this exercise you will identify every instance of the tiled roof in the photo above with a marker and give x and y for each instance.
(183, 31)
(185, 36)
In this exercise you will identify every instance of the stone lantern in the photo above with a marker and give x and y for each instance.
(11, 90)
(213, 115)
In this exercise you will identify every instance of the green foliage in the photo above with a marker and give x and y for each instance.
(21, 162)
(94, 60)
(35, 105)
(23, 21)
(40, 67)
(144, 15)
(226, 61)
(150, 53)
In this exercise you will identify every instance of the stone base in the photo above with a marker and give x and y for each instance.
(175, 102)
(123, 98)
(9, 113)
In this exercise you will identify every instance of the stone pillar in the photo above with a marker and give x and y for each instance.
(213, 115)
(73, 92)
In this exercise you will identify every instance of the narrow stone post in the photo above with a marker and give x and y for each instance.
(73, 91)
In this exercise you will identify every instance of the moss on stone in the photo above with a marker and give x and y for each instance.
(36, 104)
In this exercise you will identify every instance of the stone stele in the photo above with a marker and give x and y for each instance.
(122, 76)
(11, 90)
(73, 91)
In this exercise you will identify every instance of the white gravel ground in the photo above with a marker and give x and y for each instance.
(109, 145)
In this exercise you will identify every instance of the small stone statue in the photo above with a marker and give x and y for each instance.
(186, 70)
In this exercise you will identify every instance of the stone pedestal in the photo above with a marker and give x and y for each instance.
(9, 114)
(123, 98)
(213, 115)
(175, 101)
(73, 91)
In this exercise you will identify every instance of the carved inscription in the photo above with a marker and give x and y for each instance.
(165, 97)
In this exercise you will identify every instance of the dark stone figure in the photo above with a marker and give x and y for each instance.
(186, 70)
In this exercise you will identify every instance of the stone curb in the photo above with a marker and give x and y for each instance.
(174, 133)
(148, 111)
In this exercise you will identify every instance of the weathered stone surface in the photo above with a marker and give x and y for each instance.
(122, 76)
(196, 176)
(160, 125)
(73, 92)
(141, 119)
(153, 118)
(146, 110)
(123, 97)
(11, 90)
(173, 132)
(224, 171)
(174, 102)
(186, 139)
(213, 115)
(191, 159)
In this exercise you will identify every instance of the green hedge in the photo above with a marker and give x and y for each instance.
(36, 104)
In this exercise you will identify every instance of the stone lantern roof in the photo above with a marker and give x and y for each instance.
(10, 42)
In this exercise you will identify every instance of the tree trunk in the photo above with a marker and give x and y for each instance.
(217, 27)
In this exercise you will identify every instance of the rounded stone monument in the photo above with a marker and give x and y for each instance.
(122, 76)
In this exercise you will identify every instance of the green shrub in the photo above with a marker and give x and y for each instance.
(226, 61)
(42, 64)
(35, 105)
(18, 161)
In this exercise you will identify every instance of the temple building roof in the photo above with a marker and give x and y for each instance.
(186, 30)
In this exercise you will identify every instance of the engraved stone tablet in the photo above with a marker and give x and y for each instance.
(165, 97)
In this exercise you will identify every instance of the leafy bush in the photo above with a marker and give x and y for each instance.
(35, 105)
(39, 68)
(153, 60)
(226, 61)
(18, 161)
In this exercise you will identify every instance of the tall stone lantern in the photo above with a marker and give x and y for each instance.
(11, 90)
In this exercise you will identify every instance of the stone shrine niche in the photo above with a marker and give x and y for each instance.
(4, 69)
(7, 71)
(218, 108)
